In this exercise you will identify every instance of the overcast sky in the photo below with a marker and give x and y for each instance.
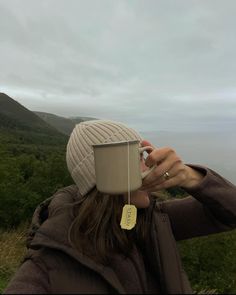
(155, 65)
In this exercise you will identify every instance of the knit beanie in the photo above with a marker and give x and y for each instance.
(79, 154)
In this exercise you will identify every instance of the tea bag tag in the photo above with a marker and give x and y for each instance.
(129, 216)
(129, 212)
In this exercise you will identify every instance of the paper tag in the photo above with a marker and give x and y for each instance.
(129, 216)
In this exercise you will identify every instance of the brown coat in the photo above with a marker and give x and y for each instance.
(53, 266)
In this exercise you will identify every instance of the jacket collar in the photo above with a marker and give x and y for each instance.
(53, 232)
(42, 240)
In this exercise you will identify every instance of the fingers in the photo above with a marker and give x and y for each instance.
(147, 143)
(166, 160)
(174, 181)
(160, 155)
(177, 176)
(162, 158)
(146, 148)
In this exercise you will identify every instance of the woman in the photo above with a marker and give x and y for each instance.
(76, 244)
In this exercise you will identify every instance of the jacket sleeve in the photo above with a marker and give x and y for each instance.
(211, 208)
(29, 279)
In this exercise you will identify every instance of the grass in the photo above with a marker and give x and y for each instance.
(210, 262)
(12, 250)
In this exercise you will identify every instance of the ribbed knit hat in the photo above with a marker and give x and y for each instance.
(79, 154)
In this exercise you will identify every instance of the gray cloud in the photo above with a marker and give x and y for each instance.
(154, 65)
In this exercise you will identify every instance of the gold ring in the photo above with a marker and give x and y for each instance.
(166, 175)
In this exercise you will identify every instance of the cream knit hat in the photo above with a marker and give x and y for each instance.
(79, 154)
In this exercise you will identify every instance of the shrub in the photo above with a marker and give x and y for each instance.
(210, 262)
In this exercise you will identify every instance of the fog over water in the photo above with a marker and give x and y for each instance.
(212, 149)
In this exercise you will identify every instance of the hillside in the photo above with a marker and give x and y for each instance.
(62, 124)
(32, 161)
(20, 125)
(13, 115)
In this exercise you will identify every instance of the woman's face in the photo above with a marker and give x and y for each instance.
(139, 198)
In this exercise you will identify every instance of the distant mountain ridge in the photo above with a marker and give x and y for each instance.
(13, 115)
(62, 124)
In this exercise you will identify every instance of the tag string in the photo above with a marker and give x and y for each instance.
(128, 174)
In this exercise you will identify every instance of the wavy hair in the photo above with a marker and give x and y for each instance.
(96, 230)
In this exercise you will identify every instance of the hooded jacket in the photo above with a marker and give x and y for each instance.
(52, 265)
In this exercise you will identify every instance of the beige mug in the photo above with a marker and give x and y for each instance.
(117, 166)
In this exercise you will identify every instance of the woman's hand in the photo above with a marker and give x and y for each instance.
(170, 171)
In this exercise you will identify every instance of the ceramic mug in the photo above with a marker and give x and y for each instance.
(117, 166)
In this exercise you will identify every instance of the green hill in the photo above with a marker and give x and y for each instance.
(62, 124)
(18, 124)
(15, 116)
(32, 159)
(32, 162)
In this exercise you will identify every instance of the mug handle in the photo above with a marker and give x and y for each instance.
(149, 170)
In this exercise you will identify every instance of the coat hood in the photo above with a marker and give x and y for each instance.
(50, 226)
(52, 216)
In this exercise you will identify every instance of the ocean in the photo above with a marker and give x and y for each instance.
(217, 150)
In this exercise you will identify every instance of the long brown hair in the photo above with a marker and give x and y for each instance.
(96, 230)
